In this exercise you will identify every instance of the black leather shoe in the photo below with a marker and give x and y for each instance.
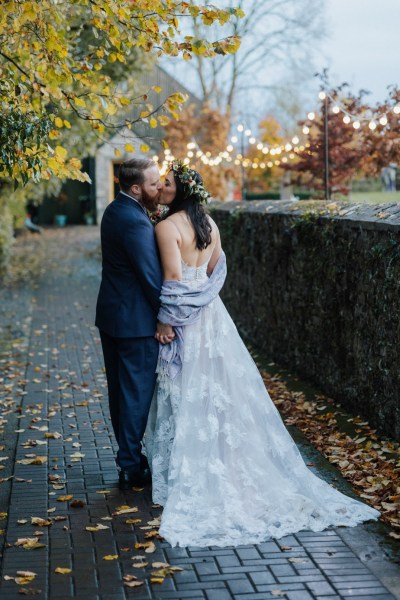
(137, 478)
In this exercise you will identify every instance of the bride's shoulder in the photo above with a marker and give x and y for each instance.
(167, 227)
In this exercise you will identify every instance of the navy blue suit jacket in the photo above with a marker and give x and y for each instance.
(128, 300)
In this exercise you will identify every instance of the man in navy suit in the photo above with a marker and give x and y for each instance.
(126, 312)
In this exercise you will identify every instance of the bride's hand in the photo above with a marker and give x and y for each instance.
(165, 333)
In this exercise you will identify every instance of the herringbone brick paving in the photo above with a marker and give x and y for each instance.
(62, 388)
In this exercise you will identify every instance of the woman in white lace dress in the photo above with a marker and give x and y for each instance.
(223, 465)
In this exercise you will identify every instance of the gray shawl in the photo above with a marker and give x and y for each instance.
(181, 305)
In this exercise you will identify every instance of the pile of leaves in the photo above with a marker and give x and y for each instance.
(371, 464)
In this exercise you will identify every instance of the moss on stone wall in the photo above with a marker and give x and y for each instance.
(320, 294)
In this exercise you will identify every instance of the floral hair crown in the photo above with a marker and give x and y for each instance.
(187, 177)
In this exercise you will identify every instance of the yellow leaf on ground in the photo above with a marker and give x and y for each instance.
(24, 580)
(64, 498)
(110, 557)
(133, 583)
(97, 527)
(156, 580)
(124, 510)
(62, 570)
(140, 565)
(40, 522)
(133, 521)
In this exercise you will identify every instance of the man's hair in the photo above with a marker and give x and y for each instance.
(131, 172)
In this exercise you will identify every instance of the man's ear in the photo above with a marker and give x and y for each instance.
(135, 189)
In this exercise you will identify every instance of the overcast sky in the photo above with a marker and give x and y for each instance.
(363, 47)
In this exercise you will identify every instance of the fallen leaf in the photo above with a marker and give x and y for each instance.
(22, 521)
(29, 592)
(297, 560)
(140, 565)
(41, 522)
(126, 510)
(24, 580)
(38, 460)
(64, 498)
(156, 580)
(62, 570)
(97, 527)
(133, 521)
(278, 593)
(110, 557)
(77, 503)
(133, 583)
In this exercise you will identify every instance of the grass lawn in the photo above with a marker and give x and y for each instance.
(373, 197)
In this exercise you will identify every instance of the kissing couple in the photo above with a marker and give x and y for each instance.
(186, 398)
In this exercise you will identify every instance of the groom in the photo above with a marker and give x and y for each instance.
(126, 312)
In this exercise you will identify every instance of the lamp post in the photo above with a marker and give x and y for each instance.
(243, 134)
(324, 97)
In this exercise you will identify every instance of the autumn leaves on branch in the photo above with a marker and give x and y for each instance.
(56, 64)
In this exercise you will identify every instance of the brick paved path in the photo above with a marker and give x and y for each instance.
(56, 373)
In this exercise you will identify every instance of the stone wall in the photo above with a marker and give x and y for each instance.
(320, 294)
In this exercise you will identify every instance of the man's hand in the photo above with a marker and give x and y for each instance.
(165, 333)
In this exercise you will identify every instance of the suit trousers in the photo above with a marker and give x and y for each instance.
(131, 376)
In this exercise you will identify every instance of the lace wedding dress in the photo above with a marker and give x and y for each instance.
(224, 467)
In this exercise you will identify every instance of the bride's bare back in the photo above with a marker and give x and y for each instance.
(176, 241)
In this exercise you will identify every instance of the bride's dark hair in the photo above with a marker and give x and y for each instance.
(194, 209)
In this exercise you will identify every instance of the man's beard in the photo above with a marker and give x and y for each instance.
(149, 202)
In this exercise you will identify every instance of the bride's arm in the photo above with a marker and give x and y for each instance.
(168, 240)
(217, 248)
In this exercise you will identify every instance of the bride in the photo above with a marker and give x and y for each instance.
(223, 465)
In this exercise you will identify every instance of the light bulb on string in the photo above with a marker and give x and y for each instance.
(295, 140)
(190, 154)
(306, 130)
(383, 120)
(191, 145)
(229, 148)
(372, 125)
(311, 116)
(247, 132)
(284, 159)
(356, 124)
(270, 164)
(260, 146)
(396, 109)
(322, 95)
(262, 165)
(336, 109)
(346, 119)
(265, 150)
(252, 140)
(240, 127)
(288, 147)
(234, 139)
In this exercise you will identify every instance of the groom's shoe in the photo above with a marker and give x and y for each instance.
(131, 478)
